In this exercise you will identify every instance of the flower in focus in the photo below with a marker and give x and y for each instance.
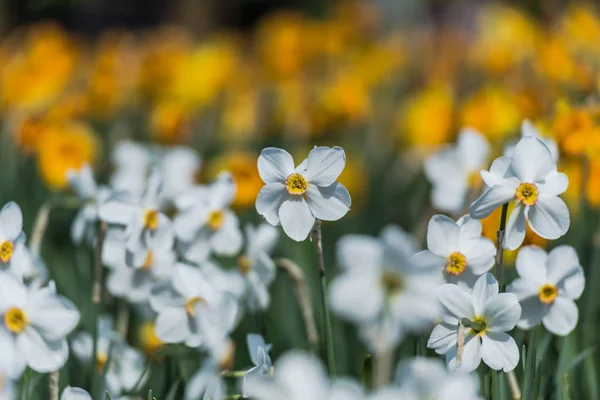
(457, 249)
(83, 184)
(531, 179)
(205, 223)
(257, 266)
(486, 316)
(62, 148)
(547, 287)
(295, 196)
(529, 130)
(381, 285)
(36, 322)
(452, 169)
(259, 354)
(12, 236)
(75, 393)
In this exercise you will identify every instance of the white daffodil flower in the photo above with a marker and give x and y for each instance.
(547, 286)
(206, 223)
(36, 322)
(257, 266)
(141, 217)
(379, 281)
(486, 316)
(179, 166)
(188, 305)
(132, 161)
(92, 196)
(135, 282)
(457, 249)
(206, 384)
(28, 266)
(259, 354)
(529, 130)
(451, 170)
(11, 233)
(301, 376)
(427, 378)
(530, 179)
(296, 196)
(75, 393)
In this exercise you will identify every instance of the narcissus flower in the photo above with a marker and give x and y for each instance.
(529, 130)
(486, 316)
(457, 249)
(35, 323)
(547, 287)
(259, 354)
(296, 196)
(11, 233)
(531, 180)
(451, 170)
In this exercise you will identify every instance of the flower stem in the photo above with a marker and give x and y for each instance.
(317, 242)
(233, 374)
(368, 372)
(53, 385)
(500, 248)
(303, 297)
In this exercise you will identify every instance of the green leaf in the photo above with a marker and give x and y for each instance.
(150, 394)
(107, 396)
(173, 391)
(530, 370)
(578, 359)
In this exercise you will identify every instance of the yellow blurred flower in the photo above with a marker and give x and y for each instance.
(150, 343)
(492, 111)
(581, 27)
(427, 118)
(169, 122)
(242, 166)
(62, 147)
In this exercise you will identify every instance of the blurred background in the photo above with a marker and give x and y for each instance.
(391, 81)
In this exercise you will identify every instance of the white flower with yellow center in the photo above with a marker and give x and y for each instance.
(188, 306)
(205, 223)
(451, 171)
(486, 316)
(75, 393)
(34, 325)
(381, 287)
(11, 233)
(457, 249)
(140, 216)
(547, 287)
(296, 196)
(529, 130)
(85, 223)
(531, 180)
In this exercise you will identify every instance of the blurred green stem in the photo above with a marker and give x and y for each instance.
(500, 245)
(317, 242)
(368, 372)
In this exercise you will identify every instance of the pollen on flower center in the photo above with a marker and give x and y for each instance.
(296, 184)
(6, 251)
(392, 283)
(101, 359)
(151, 219)
(456, 263)
(149, 261)
(527, 193)
(547, 293)
(190, 305)
(15, 320)
(244, 264)
(215, 219)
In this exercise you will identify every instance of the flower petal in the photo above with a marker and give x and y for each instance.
(471, 357)
(498, 172)
(12, 292)
(491, 199)
(515, 228)
(531, 160)
(442, 338)
(275, 165)
(549, 217)
(328, 203)
(565, 271)
(554, 184)
(469, 227)
(480, 253)
(361, 252)
(356, 297)
(456, 303)
(296, 219)
(499, 351)
(485, 287)
(502, 312)
(75, 393)
(523, 288)
(11, 221)
(442, 235)
(269, 201)
(172, 325)
(532, 312)
(562, 317)
(53, 316)
(324, 165)
(116, 212)
(531, 264)
(42, 356)
(473, 148)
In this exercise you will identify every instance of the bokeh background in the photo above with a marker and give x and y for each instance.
(389, 81)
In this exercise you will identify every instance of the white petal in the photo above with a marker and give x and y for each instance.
(298, 371)
(502, 312)
(356, 297)
(562, 316)
(172, 325)
(549, 217)
(262, 239)
(254, 341)
(499, 351)
(491, 199)
(164, 296)
(78, 227)
(498, 173)
(471, 357)
(150, 198)
(456, 303)
(264, 267)
(531, 264)
(403, 243)
(554, 184)
(531, 160)
(449, 197)
(12, 292)
(42, 356)
(53, 316)
(469, 227)
(442, 337)
(275, 165)
(227, 241)
(473, 148)
(75, 393)
(565, 271)
(324, 165)
(190, 281)
(11, 221)
(485, 287)
(328, 203)
(296, 219)
(269, 201)
(523, 288)
(442, 235)
(480, 253)
(532, 312)
(115, 212)
(359, 252)
(118, 282)
(515, 228)
(11, 363)
(195, 251)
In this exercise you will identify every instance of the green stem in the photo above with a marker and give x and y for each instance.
(317, 242)
(233, 397)
(233, 374)
(500, 248)
(368, 372)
